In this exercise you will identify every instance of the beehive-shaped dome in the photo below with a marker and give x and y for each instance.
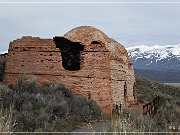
(87, 34)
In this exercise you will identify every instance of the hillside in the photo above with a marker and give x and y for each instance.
(164, 76)
(146, 89)
(166, 118)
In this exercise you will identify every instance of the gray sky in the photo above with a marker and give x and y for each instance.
(130, 24)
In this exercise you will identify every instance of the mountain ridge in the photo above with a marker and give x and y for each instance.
(155, 57)
(159, 63)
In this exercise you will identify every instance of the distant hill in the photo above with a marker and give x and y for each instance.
(165, 76)
(146, 89)
(160, 63)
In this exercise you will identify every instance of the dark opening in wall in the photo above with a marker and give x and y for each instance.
(89, 95)
(134, 90)
(95, 42)
(125, 91)
(70, 53)
(24, 49)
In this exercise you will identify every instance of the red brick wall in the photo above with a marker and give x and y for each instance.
(40, 58)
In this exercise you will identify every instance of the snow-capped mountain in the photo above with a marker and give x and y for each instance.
(155, 57)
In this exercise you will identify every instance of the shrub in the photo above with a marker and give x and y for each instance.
(47, 107)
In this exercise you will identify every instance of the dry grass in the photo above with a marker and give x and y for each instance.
(173, 84)
(6, 122)
(130, 122)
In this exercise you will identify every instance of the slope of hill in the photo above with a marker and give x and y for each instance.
(168, 114)
(146, 89)
(166, 117)
(163, 76)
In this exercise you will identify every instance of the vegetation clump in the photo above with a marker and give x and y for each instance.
(46, 107)
(166, 119)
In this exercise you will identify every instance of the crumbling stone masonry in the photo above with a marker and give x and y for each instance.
(84, 59)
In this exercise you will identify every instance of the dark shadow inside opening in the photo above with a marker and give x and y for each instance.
(70, 53)
(95, 42)
(134, 90)
(125, 91)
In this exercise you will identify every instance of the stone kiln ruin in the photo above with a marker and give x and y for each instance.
(84, 59)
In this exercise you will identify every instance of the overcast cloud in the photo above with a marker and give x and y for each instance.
(130, 24)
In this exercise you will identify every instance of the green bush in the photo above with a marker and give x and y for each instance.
(46, 107)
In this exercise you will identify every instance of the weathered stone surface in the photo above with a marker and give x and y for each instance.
(105, 75)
